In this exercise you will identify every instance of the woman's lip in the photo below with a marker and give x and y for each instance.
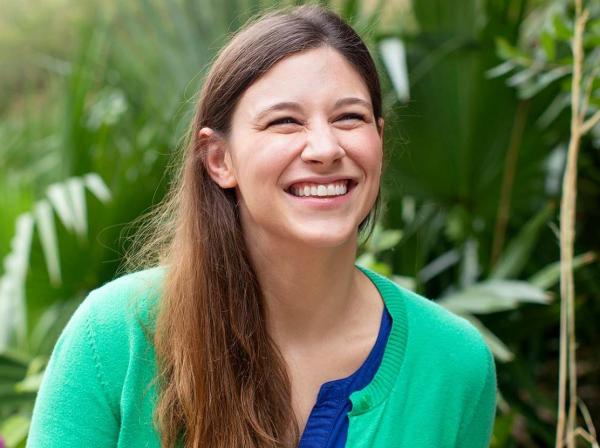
(321, 181)
(324, 202)
(350, 183)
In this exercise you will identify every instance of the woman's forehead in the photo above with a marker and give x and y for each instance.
(321, 75)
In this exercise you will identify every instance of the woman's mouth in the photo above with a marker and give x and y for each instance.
(315, 190)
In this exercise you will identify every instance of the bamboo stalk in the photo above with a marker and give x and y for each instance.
(567, 236)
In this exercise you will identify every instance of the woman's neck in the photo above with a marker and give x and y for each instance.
(310, 294)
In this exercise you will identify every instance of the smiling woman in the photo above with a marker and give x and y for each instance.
(313, 133)
(252, 326)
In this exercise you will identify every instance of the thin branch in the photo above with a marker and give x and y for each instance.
(510, 168)
(567, 237)
(587, 436)
(588, 93)
(588, 419)
(590, 123)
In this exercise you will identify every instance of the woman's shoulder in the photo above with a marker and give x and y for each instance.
(431, 338)
(433, 320)
(118, 316)
(103, 347)
(129, 296)
(114, 325)
(430, 327)
(143, 284)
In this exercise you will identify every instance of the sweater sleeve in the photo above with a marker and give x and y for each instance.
(476, 431)
(72, 408)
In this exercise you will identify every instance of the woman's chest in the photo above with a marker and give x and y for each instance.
(308, 373)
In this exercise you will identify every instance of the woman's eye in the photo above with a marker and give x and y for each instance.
(290, 120)
(284, 120)
(352, 117)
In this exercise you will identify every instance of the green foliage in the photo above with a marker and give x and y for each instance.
(113, 93)
(542, 59)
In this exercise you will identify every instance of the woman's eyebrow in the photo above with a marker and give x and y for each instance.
(352, 100)
(278, 106)
(296, 106)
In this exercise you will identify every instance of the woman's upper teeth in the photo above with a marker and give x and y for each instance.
(312, 189)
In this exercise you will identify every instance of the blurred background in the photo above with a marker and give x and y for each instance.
(95, 97)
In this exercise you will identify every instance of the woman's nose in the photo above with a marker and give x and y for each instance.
(322, 146)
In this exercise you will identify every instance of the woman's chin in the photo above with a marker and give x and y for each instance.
(324, 238)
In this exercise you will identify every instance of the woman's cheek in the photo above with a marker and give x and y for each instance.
(274, 157)
(368, 155)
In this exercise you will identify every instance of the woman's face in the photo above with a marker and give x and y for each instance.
(305, 153)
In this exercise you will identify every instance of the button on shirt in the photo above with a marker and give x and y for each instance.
(327, 424)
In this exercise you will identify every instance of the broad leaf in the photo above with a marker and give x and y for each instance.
(492, 296)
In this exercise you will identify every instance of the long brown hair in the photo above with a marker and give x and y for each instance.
(222, 381)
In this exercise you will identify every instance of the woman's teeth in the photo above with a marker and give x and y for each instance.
(320, 190)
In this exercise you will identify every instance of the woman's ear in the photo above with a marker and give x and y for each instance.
(380, 127)
(217, 158)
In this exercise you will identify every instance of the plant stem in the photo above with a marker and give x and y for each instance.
(567, 235)
(510, 167)
(590, 123)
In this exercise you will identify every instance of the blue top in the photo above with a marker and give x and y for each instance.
(327, 424)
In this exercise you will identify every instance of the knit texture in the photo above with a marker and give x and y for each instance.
(435, 387)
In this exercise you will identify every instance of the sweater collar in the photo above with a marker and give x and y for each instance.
(382, 383)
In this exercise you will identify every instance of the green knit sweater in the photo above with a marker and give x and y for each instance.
(435, 387)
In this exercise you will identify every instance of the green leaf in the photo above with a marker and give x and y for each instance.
(503, 429)
(14, 358)
(388, 239)
(97, 186)
(394, 57)
(58, 195)
(594, 25)
(550, 275)
(76, 191)
(543, 81)
(558, 104)
(382, 268)
(591, 42)
(439, 265)
(44, 219)
(517, 253)
(469, 267)
(498, 348)
(68, 199)
(409, 283)
(500, 70)
(548, 45)
(12, 283)
(381, 240)
(10, 397)
(509, 52)
(14, 430)
(504, 49)
(563, 30)
(31, 383)
(366, 260)
(12, 369)
(492, 296)
(48, 326)
(523, 76)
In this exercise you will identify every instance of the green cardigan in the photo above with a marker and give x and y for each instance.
(435, 387)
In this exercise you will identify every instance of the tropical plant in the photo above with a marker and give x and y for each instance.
(566, 50)
(115, 102)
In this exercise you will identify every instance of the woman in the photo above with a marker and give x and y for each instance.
(255, 328)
